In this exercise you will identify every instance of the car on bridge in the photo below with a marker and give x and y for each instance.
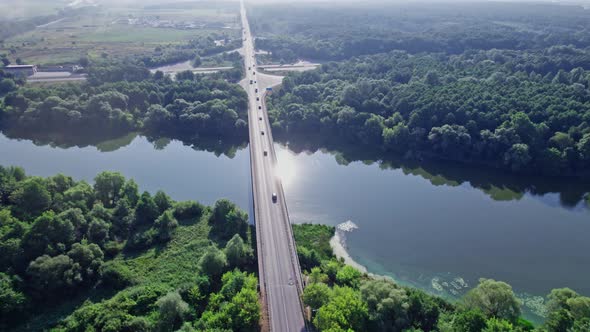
(274, 197)
(262, 133)
(265, 153)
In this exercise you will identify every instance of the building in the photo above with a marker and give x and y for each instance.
(20, 70)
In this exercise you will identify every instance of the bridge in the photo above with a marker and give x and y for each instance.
(279, 272)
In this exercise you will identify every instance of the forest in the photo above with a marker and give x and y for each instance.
(322, 32)
(123, 97)
(493, 84)
(341, 298)
(77, 256)
(525, 112)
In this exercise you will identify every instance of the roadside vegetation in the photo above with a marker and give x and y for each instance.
(340, 298)
(105, 257)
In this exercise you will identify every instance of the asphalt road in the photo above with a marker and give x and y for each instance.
(279, 271)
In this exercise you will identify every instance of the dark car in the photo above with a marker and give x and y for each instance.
(274, 197)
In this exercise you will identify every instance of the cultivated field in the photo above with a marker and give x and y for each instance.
(119, 31)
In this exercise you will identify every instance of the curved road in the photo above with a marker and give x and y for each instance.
(279, 271)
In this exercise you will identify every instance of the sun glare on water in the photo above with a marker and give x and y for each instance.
(286, 168)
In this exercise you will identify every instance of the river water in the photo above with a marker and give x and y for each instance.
(437, 227)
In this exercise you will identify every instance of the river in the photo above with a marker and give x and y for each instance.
(436, 227)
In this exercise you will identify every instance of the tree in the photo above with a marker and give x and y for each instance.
(163, 201)
(235, 307)
(166, 224)
(348, 276)
(107, 186)
(172, 311)
(431, 78)
(12, 301)
(308, 258)
(567, 310)
(316, 295)
(49, 234)
(498, 325)
(450, 139)
(396, 138)
(387, 305)
(123, 217)
(80, 196)
(345, 310)
(423, 310)
(561, 141)
(31, 197)
(316, 275)
(7, 85)
(50, 274)
(98, 231)
(197, 61)
(557, 299)
(146, 211)
(188, 210)
(579, 307)
(244, 310)
(518, 157)
(213, 261)
(494, 299)
(470, 321)
(584, 147)
(228, 219)
(186, 75)
(84, 62)
(130, 192)
(116, 275)
(90, 259)
(237, 253)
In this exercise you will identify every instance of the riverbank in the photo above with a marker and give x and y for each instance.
(338, 245)
(533, 306)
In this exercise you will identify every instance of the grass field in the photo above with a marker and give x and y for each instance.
(105, 31)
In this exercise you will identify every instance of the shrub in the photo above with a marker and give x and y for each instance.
(117, 275)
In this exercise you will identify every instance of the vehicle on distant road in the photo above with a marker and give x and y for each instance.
(274, 197)
(259, 107)
(252, 82)
(257, 98)
(260, 118)
(262, 133)
(265, 153)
